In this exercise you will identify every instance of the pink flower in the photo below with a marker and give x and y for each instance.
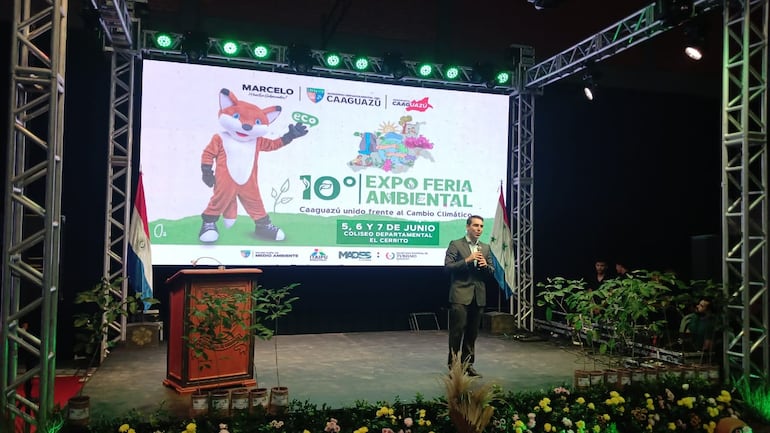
(408, 421)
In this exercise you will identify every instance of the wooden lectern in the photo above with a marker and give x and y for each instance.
(231, 364)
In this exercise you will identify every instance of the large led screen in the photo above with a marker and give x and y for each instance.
(258, 168)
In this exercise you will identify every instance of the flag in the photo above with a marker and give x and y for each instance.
(502, 250)
(139, 268)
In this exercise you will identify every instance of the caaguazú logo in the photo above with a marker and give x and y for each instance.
(315, 94)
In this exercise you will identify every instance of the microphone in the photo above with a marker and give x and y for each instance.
(474, 250)
(195, 262)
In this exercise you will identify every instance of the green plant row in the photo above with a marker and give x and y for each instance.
(672, 405)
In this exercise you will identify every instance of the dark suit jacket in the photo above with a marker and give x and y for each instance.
(465, 280)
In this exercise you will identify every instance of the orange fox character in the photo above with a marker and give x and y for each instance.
(235, 150)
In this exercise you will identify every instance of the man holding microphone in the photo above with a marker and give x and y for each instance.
(469, 264)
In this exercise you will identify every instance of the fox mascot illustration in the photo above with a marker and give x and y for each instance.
(230, 164)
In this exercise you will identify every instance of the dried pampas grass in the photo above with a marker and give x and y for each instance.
(469, 404)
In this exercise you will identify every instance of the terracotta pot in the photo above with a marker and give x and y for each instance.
(258, 400)
(279, 400)
(239, 400)
(582, 379)
(729, 425)
(596, 377)
(220, 402)
(79, 410)
(199, 404)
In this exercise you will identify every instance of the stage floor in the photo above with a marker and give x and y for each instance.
(338, 369)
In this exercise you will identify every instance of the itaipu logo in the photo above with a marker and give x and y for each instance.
(318, 256)
(315, 95)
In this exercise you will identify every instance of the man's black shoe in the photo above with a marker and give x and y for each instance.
(472, 372)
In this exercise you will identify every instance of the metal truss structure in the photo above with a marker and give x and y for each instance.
(745, 223)
(33, 184)
(628, 32)
(118, 188)
(32, 209)
(522, 198)
(313, 62)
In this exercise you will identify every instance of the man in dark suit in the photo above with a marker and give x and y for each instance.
(469, 264)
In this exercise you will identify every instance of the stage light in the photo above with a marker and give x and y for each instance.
(502, 78)
(393, 64)
(261, 51)
(425, 70)
(332, 60)
(694, 45)
(230, 48)
(195, 45)
(300, 58)
(163, 41)
(452, 73)
(589, 86)
(361, 63)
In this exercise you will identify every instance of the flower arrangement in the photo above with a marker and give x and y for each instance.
(674, 405)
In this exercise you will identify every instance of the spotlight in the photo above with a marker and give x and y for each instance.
(230, 48)
(361, 63)
(164, 41)
(300, 58)
(502, 78)
(332, 60)
(261, 51)
(424, 70)
(452, 73)
(393, 64)
(589, 86)
(195, 45)
(694, 46)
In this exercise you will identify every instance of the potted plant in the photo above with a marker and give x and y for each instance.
(227, 315)
(95, 333)
(272, 305)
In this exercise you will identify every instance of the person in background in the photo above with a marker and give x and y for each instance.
(600, 275)
(621, 270)
(469, 265)
(702, 326)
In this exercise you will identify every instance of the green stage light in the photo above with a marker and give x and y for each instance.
(502, 78)
(361, 63)
(452, 73)
(333, 60)
(261, 51)
(230, 48)
(163, 41)
(425, 70)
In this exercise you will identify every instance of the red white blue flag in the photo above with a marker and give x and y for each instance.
(139, 268)
(500, 243)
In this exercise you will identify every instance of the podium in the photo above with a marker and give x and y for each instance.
(230, 362)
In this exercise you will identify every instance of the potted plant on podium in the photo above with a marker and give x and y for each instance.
(226, 316)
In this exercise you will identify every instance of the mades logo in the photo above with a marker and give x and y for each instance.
(315, 95)
(355, 255)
